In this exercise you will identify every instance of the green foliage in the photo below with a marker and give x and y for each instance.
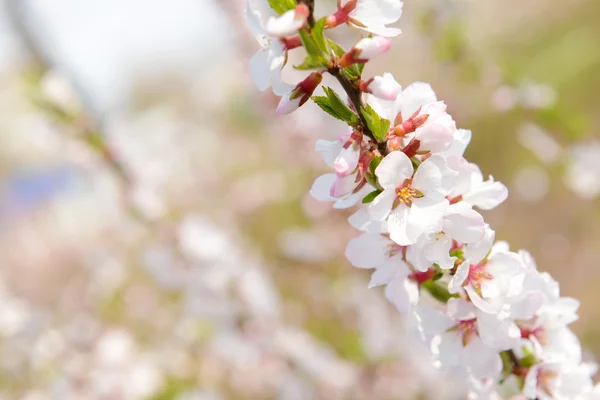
(377, 125)
(371, 196)
(281, 6)
(438, 291)
(310, 44)
(334, 106)
(319, 36)
(353, 72)
(312, 62)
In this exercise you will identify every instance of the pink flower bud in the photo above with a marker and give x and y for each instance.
(300, 94)
(289, 23)
(383, 87)
(365, 50)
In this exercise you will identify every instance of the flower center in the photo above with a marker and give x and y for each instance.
(477, 276)
(466, 329)
(538, 332)
(406, 195)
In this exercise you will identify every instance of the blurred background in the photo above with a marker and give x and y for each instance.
(157, 240)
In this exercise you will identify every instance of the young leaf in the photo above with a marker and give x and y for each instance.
(338, 104)
(312, 62)
(438, 291)
(281, 6)
(333, 105)
(319, 36)
(377, 125)
(371, 196)
(336, 48)
(311, 46)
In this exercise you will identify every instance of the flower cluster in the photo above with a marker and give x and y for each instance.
(485, 312)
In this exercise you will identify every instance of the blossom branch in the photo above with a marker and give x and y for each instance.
(494, 311)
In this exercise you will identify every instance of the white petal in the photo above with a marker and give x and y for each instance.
(438, 251)
(476, 252)
(368, 250)
(397, 225)
(343, 185)
(464, 224)
(370, 48)
(385, 87)
(462, 137)
(347, 161)
(380, 30)
(360, 220)
(329, 150)
(425, 216)
(259, 70)
(414, 97)
(381, 206)
(403, 293)
(321, 188)
(287, 24)
(384, 274)
(394, 169)
(432, 178)
(377, 12)
(459, 277)
(487, 195)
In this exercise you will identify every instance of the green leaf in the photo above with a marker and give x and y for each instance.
(529, 359)
(312, 62)
(374, 164)
(353, 72)
(319, 36)
(371, 196)
(377, 125)
(333, 105)
(336, 48)
(310, 44)
(281, 6)
(438, 290)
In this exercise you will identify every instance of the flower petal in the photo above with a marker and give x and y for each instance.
(394, 169)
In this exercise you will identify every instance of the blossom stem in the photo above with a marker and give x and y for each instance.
(311, 8)
(355, 96)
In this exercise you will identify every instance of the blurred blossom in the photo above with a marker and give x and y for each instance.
(302, 245)
(583, 169)
(505, 98)
(539, 142)
(537, 96)
(531, 184)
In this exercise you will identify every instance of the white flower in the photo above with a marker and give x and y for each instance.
(365, 50)
(472, 189)
(289, 23)
(267, 63)
(347, 185)
(583, 171)
(460, 224)
(418, 119)
(412, 205)
(463, 336)
(490, 281)
(378, 251)
(383, 87)
(559, 381)
(369, 15)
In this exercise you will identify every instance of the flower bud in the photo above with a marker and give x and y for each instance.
(365, 50)
(300, 94)
(289, 23)
(342, 15)
(383, 87)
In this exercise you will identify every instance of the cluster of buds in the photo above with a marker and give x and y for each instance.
(485, 312)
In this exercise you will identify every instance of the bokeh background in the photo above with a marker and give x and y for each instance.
(156, 236)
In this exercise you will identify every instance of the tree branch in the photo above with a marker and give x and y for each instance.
(355, 96)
